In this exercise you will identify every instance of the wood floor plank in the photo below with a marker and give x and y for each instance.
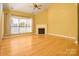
(38, 45)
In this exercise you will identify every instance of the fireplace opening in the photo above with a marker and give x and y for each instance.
(41, 30)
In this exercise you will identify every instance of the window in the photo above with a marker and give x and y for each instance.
(21, 25)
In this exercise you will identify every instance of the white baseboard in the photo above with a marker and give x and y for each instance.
(59, 35)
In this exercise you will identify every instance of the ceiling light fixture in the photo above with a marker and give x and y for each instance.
(36, 6)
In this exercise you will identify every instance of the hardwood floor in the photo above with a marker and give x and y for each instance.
(38, 45)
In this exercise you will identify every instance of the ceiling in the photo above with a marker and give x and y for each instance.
(27, 7)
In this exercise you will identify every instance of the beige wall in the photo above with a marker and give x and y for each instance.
(62, 19)
(41, 17)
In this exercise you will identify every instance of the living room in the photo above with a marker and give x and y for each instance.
(35, 27)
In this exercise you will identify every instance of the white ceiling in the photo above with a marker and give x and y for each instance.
(27, 7)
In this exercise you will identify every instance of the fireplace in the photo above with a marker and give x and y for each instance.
(41, 30)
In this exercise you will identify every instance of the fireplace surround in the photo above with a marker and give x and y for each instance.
(41, 29)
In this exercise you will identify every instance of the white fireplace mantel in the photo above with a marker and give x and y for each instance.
(41, 26)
